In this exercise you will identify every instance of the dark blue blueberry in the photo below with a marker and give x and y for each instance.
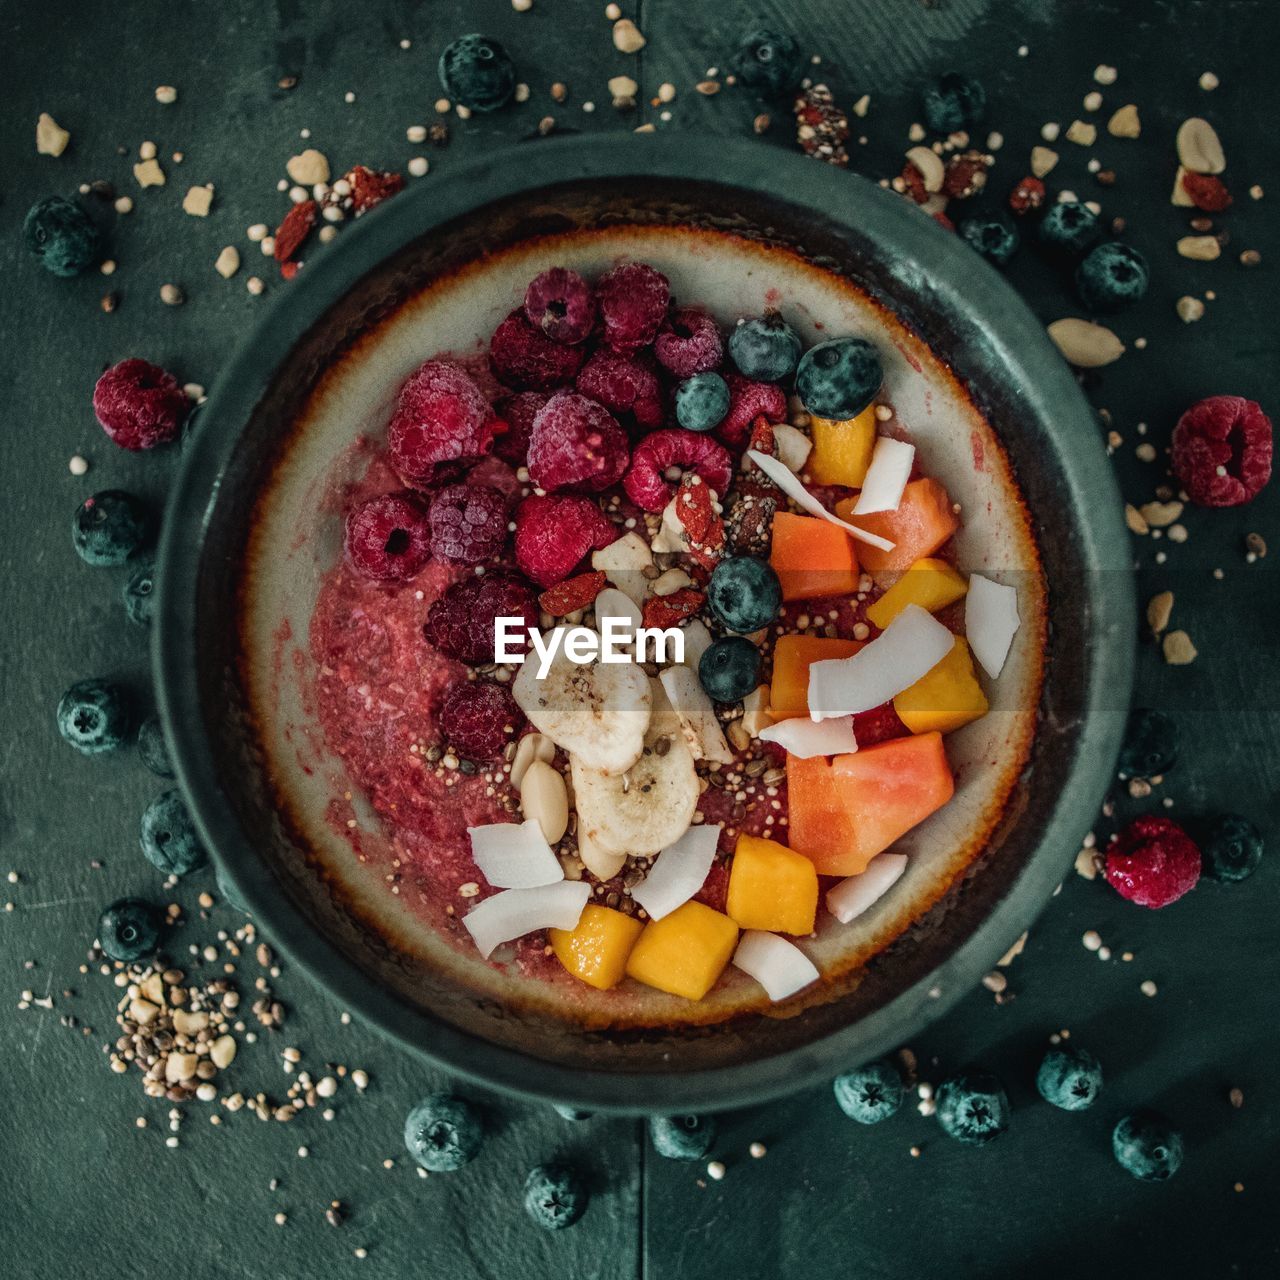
(954, 102)
(110, 527)
(153, 748)
(702, 401)
(1150, 744)
(1069, 1078)
(838, 379)
(1069, 226)
(478, 73)
(870, 1094)
(443, 1133)
(1230, 849)
(169, 838)
(570, 1113)
(93, 716)
(769, 61)
(129, 930)
(554, 1196)
(1112, 277)
(62, 235)
(973, 1108)
(730, 669)
(994, 236)
(139, 595)
(1147, 1146)
(682, 1137)
(766, 348)
(744, 593)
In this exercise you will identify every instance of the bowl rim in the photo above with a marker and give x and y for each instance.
(1050, 393)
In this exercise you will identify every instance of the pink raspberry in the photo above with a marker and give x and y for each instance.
(561, 304)
(576, 444)
(442, 423)
(747, 401)
(139, 405)
(461, 622)
(388, 538)
(688, 343)
(1153, 862)
(555, 533)
(524, 358)
(518, 412)
(479, 718)
(1222, 451)
(468, 523)
(624, 384)
(633, 300)
(646, 482)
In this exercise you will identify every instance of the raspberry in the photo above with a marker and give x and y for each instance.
(645, 481)
(689, 343)
(460, 622)
(525, 358)
(1028, 195)
(633, 300)
(667, 611)
(295, 228)
(554, 533)
(139, 405)
(1153, 862)
(572, 594)
(388, 537)
(468, 523)
(1222, 451)
(518, 412)
(576, 444)
(623, 384)
(479, 718)
(442, 424)
(880, 724)
(561, 304)
(747, 401)
(1207, 193)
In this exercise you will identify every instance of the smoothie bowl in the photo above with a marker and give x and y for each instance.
(826, 456)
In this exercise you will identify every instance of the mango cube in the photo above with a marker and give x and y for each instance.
(932, 584)
(842, 450)
(771, 888)
(946, 697)
(596, 950)
(684, 952)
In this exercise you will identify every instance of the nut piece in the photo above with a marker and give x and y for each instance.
(930, 165)
(1084, 344)
(51, 137)
(308, 168)
(1198, 147)
(545, 799)
(1178, 649)
(222, 1051)
(1189, 309)
(533, 746)
(1179, 196)
(1160, 515)
(149, 173)
(228, 262)
(1043, 160)
(627, 37)
(1201, 248)
(1125, 123)
(1082, 133)
(1135, 520)
(1159, 610)
(197, 201)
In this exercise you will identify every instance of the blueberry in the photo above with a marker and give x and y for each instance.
(570, 1113)
(1150, 744)
(995, 237)
(973, 1108)
(1112, 277)
(110, 527)
(477, 73)
(769, 61)
(554, 1196)
(169, 838)
(730, 669)
(838, 379)
(1069, 1078)
(443, 1133)
(766, 348)
(744, 593)
(1147, 1146)
(1069, 226)
(153, 748)
(139, 595)
(702, 401)
(954, 102)
(1230, 848)
(129, 930)
(870, 1094)
(62, 235)
(682, 1137)
(93, 716)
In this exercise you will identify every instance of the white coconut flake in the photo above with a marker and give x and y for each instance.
(612, 603)
(805, 738)
(779, 966)
(514, 855)
(850, 898)
(908, 648)
(793, 446)
(886, 477)
(679, 871)
(990, 621)
(514, 912)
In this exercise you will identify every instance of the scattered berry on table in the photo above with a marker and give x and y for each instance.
(1146, 1145)
(110, 527)
(765, 348)
(478, 718)
(524, 358)
(555, 532)
(461, 622)
(973, 1108)
(744, 593)
(139, 404)
(839, 378)
(561, 304)
(442, 424)
(389, 538)
(1150, 744)
(624, 385)
(730, 669)
(168, 836)
(870, 1094)
(1152, 862)
(129, 930)
(633, 300)
(153, 748)
(769, 61)
(1069, 1078)
(477, 72)
(443, 1133)
(139, 595)
(93, 716)
(1230, 848)
(62, 236)
(954, 102)
(749, 400)
(1222, 450)
(576, 444)
(518, 412)
(1111, 277)
(468, 523)
(646, 481)
(702, 402)
(686, 1137)
(689, 343)
(994, 237)
(554, 1196)
(1069, 226)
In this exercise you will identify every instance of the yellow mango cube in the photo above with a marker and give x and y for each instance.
(842, 450)
(684, 952)
(946, 697)
(932, 584)
(771, 887)
(596, 950)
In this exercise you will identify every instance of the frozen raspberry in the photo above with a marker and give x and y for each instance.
(747, 401)
(460, 622)
(139, 405)
(689, 343)
(554, 534)
(1222, 451)
(479, 718)
(561, 304)
(1153, 862)
(525, 358)
(468, 523)
(388, 538)
(442, 424)
(624, 384)
(633, 300)
(518, 412)
(576, 444)
(646, 482)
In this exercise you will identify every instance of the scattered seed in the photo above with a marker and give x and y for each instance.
(1199, 149)
(1178, 649)
(1159, 610)
(1200, 248)
(627, 37)
(1084, 344)
(1189, 309)
(171, 295)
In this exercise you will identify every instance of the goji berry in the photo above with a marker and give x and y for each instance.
(668, 611)
(294, 229)
(572, 594)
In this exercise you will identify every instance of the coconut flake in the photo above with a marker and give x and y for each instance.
(908, 648)
(990, 621)
(850, 898)
(612, 603)
(678, 872)
(782, 477)
(514, 912)
(779, 966)
(805, 738)
(886, 477)
(514, 855)
(793, 446)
